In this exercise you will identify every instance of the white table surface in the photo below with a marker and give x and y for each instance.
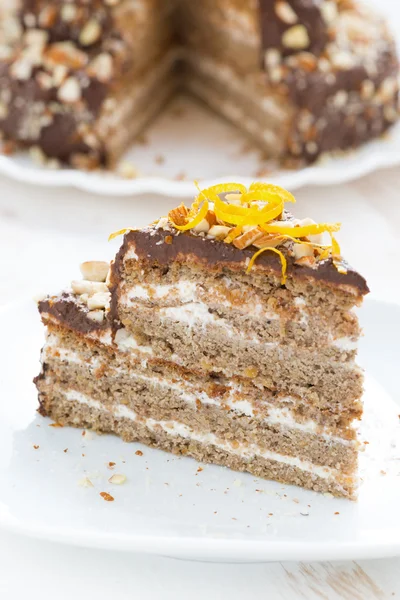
(44, 235)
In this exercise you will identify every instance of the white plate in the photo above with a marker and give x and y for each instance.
(199, 145)
(170, 507)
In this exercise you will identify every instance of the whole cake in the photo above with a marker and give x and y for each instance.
(79, 79)
(225, 332)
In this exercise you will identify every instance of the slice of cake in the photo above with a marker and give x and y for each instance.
(224, 332)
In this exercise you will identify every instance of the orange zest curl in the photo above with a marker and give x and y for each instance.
(336, 256)
(279, 253)
(112, 236)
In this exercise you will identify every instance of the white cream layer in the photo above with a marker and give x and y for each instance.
(179, 429)
(195, 312)
(282, 417)
(188, 291)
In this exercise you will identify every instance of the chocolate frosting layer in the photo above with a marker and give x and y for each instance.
(66, 309)
(150, 245)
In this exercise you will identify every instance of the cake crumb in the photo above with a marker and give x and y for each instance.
(237, 482)
(65, 450)
(139, 453)
(107, 497)
(159, 159)
(36, 447)
(111, 465)
(56, 425)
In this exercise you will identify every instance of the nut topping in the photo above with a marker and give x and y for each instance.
(285, 12)
(248, 238)
(88, 287)
(94, 270)
(90, 33)
(99, 300)
(178, 215)
(218, 232)
(296, 38)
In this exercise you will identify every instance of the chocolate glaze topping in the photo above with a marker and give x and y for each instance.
(150, 246)
(66, 309)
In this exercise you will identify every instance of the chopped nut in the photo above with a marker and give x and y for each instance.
(47, 16)
(37, 155)
(99, 300)
(36, 37)
(273, 58)
(329, 11)
(219, 232)
(96, 315)
(202, 227)
(340, 99)
(70, 90)
(307, 61)
(3, 110)
(247, 238)
(367, 89)
(94, 270)
(211, 218)
(234, 199)
(90, 33)
(178, 215)
(268, 240)
(65, 54)
(101, 67)
(21, 69)
(301, 250)
(68, 12)
(88, 287)
(117, 479)
(307, 261)
(168, 239)
(342, 60)
(296, 38)
(60, 72)
(285, 12)
(388, 89)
